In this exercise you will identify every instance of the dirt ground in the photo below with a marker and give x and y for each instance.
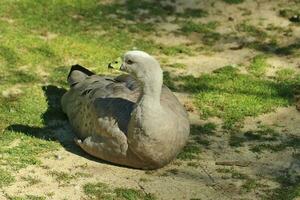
(200, 179)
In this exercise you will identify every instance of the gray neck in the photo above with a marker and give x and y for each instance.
(151, 89)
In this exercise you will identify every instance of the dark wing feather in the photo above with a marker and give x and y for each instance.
(100, 104)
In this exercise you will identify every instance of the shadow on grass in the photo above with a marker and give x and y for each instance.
(274, 48)
(56, 126)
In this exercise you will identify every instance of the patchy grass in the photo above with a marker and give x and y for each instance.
(252, 30)
(177, 65)
(102, 191)
(258, 65)
(250, 185)
(264, 139)
(6, 178)
(292, 141)
(206, 30)
(62, 177)
(32, 180)
(285, 75)
(194, 13)
(262, 134)
(190, 151)
(206, 129)
(289, 12)
(289, 188)
(232, 96)
(27, 197)
(175, 50)
(25, 150)
(234, 1)
(234, 174)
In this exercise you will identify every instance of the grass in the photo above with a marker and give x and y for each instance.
(262, 134)
(194, 13)
(234, 174)
(285, 75)
(233, 96)
(6, 178)
(206, 30)
(177, 65)
(41, 39)
(264, 139)
(190, 26)
(289, 188)
(190, 151)
(258, 66)
(292, 141)
(62, 177)
(25, 150)
(234, 1)
(288, 12)
(206, 129)
(175, 50)
(103, 191)
(250, 185)
(252, 30)
(27, 197)
(31, 180)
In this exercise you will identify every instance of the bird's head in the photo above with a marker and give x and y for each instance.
(141, 65)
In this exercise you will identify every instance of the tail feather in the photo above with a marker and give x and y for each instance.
(77, 74)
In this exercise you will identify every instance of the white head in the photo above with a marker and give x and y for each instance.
(142, 66)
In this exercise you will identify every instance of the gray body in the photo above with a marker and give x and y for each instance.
(111, 124)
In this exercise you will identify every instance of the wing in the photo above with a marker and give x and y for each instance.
(99, 105)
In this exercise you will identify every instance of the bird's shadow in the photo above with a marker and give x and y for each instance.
(56, 126)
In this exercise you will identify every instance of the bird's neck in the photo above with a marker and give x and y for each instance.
(151, 91)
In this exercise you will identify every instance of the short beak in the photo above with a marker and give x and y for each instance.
(123, 68)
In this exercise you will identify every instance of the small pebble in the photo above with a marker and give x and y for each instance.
(58, 157)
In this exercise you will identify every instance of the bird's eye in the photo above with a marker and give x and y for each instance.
(129, 62)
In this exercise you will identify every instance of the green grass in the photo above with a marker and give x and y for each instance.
(234, 174)
(206, 129)
(27, 197)
(258, 65)
(252, 30)
(261, 134)
(288, 12)
(6, 178)
(26, 150)
(206, 30)
(285, 75)
(193, 13)
(62, 177)
(250, 185)
(175, 50)
(292, 141)
(190, 151)
(103, 191)
(233, 96)
(234, 1)
(177, 65)
(289, 188)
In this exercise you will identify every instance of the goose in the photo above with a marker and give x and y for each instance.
(130, 120)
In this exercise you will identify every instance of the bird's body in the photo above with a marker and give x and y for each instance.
(122, 121)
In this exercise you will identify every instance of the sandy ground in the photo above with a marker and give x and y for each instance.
(178, 180)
